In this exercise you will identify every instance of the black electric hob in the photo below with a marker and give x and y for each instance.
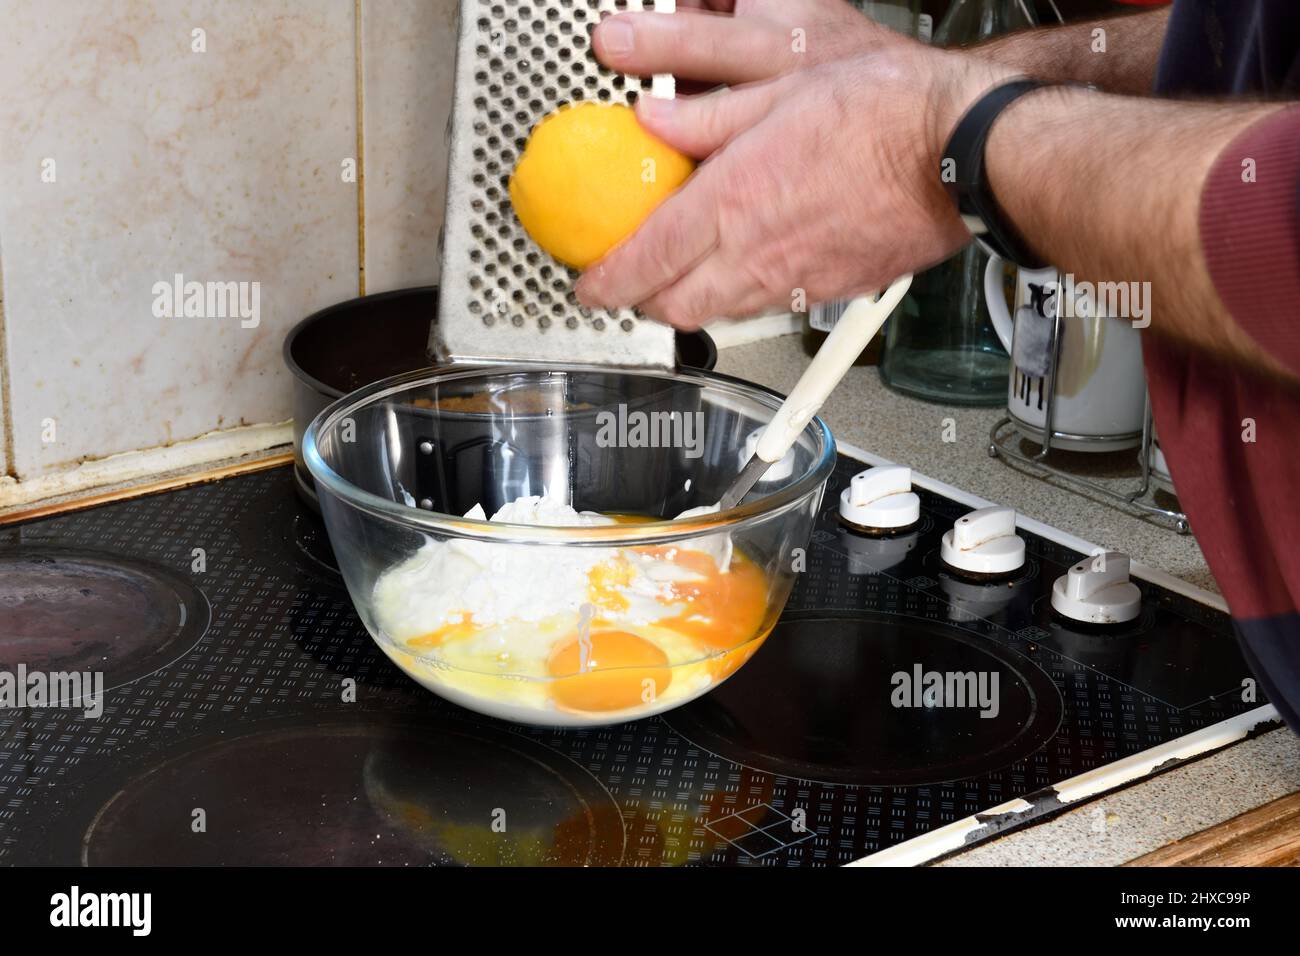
(248, 718)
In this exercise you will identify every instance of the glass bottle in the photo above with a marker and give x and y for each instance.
(940, 346)
(905, 17)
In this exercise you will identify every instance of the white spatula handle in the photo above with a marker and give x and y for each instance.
(856, 327)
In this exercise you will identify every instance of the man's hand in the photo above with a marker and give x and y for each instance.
(825, 181)
(735, 41)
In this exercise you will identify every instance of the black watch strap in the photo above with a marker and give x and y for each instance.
(964, 176)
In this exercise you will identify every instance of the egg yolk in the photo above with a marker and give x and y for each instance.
(605, 583)
(723, 610)
(448, 632)
(621, 671)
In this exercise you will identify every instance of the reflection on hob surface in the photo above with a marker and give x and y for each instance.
(289, 529)
(300, 742)
(75, 610)
(843, 699)
(353, 792)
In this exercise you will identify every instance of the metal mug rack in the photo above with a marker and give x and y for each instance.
(1140, 500)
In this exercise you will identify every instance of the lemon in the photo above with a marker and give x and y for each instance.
(589, 175)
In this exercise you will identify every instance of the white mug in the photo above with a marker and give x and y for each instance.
(1100, 392)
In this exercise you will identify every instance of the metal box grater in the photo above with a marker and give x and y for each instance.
(503, 299)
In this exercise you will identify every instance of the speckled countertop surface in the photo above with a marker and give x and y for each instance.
(865, 413)
(1114, 827)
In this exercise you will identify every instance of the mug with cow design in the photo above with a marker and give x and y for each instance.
(1100, 389)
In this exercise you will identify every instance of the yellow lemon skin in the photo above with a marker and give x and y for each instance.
(588, 177)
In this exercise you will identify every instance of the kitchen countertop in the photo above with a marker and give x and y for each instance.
(1113, 827)
(865, 413)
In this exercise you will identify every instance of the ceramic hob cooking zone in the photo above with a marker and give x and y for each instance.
(248, 718)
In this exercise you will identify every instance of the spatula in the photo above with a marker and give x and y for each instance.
(856, 327)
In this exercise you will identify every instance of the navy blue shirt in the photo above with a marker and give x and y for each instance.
(1216, 47)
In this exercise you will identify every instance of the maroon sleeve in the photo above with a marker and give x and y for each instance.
(1250, 231)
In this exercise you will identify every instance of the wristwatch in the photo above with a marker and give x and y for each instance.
(964, 176)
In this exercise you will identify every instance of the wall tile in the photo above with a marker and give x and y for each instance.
(222, 166)
(4, 395)
(408, 61)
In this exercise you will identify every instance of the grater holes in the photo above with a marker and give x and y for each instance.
(533, 57)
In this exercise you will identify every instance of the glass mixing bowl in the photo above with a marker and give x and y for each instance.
(573, 625)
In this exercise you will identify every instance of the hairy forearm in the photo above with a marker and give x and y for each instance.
(1118, 54)
(1108, 188)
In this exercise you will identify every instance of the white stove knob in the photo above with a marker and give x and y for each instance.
(984, 542)
(778, 471)
(1097, 590)
(881, 497)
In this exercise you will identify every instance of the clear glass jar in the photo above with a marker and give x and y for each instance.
(940, 346)
(903, 16)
